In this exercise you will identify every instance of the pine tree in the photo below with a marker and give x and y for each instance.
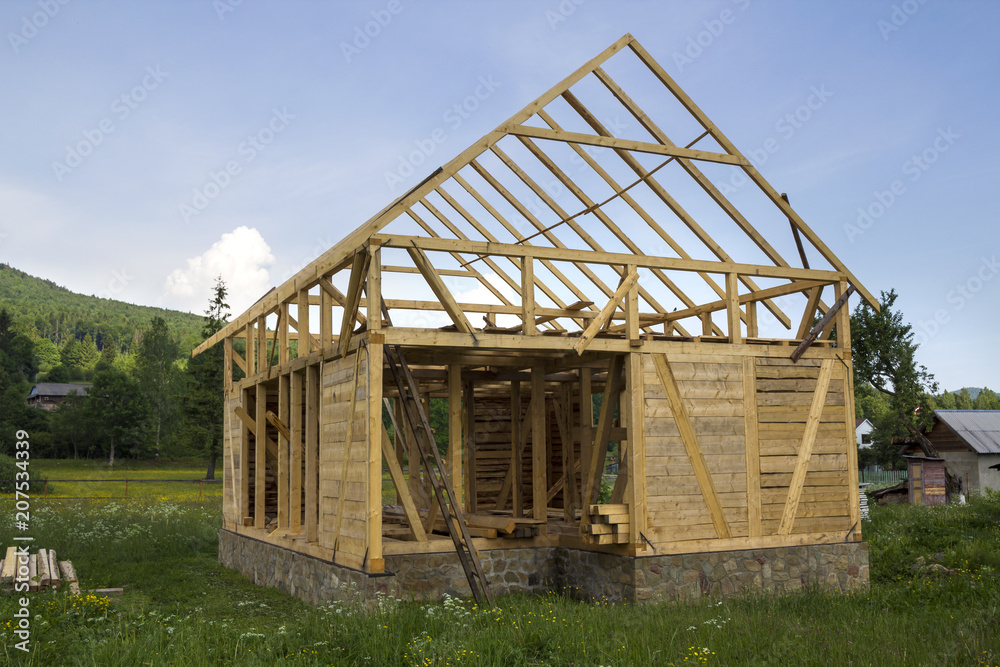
(203, 404)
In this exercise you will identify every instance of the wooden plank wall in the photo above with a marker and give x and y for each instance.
(337, 383)
(713, 391)
(785, 392)
(493, 449)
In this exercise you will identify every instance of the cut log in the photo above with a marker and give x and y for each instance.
(44, 577)
(33, 572)
(9, 566)
(54, 578)
(69, 576)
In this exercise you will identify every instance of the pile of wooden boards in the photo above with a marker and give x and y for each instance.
(608, 525)
(479, 525)
(44, 571)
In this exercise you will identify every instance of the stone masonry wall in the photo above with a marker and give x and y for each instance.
(580, 574)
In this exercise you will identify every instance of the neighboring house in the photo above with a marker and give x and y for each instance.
(969, 442)
(863, 430)
(47, 395)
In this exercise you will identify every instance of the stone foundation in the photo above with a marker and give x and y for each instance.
(582, 574)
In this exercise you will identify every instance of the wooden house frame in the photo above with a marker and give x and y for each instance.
(728, 440)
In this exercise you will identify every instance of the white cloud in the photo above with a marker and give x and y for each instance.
(241, 257)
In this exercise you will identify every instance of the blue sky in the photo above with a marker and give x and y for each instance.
(120, 121)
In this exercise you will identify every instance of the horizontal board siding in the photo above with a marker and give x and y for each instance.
(337, 383)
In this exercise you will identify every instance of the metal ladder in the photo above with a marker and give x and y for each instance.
(413, 409)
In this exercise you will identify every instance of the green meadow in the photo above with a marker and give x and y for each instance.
(934, 600)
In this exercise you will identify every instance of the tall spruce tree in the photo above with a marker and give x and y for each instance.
(885, 359)
(203, 404)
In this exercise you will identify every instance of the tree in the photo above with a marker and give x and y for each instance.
(945, 401)
(117, 409)
(47, 354)
(203, 403)
(986, 400)
(885, 360)
(963, 400)
(71, 423)
(157, 377)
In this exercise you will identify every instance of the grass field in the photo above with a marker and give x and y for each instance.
(104, 482)
(181, 607)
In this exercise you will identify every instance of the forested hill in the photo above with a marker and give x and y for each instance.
(58, 314)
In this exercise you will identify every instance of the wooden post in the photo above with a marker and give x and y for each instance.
(374, 391)
(706, 324)
(313, 376)
(282, 338)
(325, 319)
(733, 307)
(844, 348)
(245, 460)
(633, 405)
(227, 364)
(251, 350)
(260, 455)
(528, 297)
(295, 444)
(752, 445)
(455, 431)
(373, 290)
(283, 451)
(586, 429)
(470, 445)
(751, 319)
(539, 445)
(305, 338)
(261, 343)
(516, 465)
(632, 308)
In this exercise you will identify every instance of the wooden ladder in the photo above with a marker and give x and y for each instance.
(413, 409)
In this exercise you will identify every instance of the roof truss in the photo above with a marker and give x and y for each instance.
(544, 215)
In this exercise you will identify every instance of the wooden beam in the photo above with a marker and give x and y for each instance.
(752, 446)
(806, 323)
(295, 445)
(338, 297)
(440, 290)
(455, 432)
(605, 313)
(733, 308)
(528, 324)
(469, 405)
(632, 307)
(359, 271)
(227, 363)
(827, 320)
(624, 144)
(751, 318)
(373, 289)
(726, 144)
(805, 448)
(302, 326)
(586, 428)
(846, 355)
(691, 446)
(313, 378)
(635, 409)
(280, 422)
(539, 445)
(260, 458)
(244, 432)
(374, 436)
(563, 254)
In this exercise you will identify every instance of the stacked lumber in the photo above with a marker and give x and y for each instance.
(479, 525)
(45, 570)
(608, 525)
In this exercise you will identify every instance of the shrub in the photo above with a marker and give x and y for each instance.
(8, 475)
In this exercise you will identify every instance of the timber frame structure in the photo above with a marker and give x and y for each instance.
(550, 254)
